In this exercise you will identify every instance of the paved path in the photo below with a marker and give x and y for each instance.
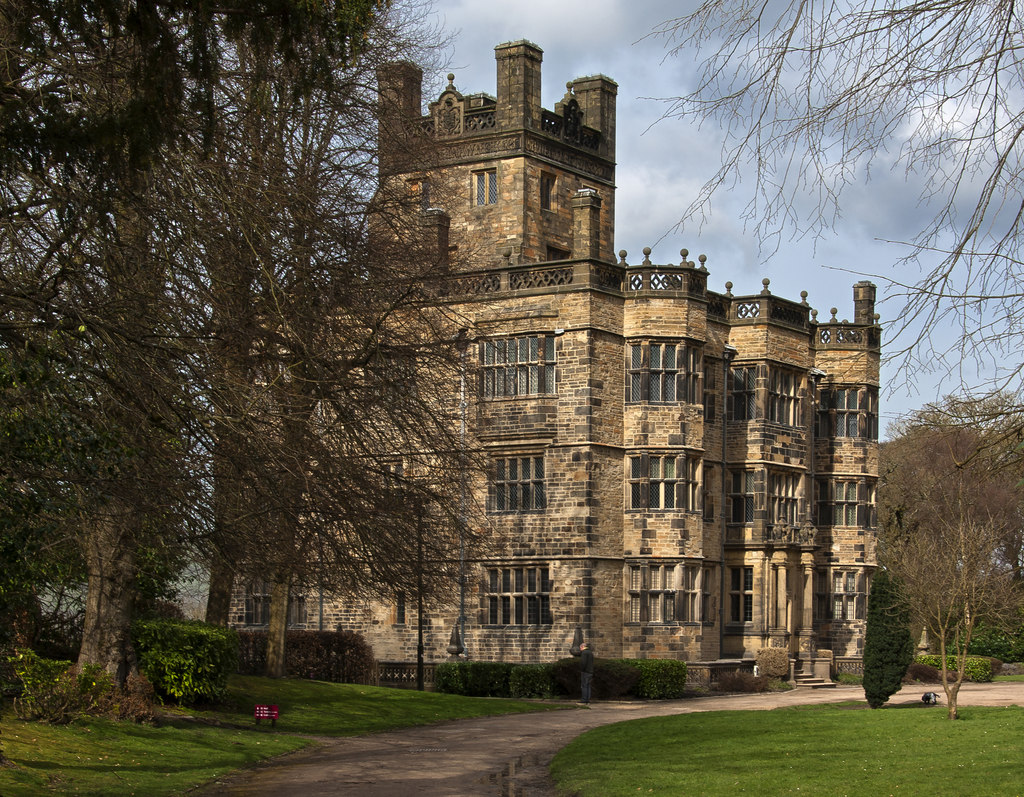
(506, 756)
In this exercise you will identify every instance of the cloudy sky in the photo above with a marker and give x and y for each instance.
(661, 163)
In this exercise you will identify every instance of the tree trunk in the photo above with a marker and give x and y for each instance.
(109, 550)
(218, 596)
(280, 590)
(952, 690)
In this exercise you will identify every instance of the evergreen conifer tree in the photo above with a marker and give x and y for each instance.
(888, 645)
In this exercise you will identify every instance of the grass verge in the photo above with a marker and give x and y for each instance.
(99, 758)
(323, 709)
(820, 750)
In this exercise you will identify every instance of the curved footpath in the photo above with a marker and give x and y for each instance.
(507, 755)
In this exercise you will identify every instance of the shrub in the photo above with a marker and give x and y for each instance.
(999, 644)
(450, 678)
(132, 702)
(57, 692)
(335, 656)
(773, 662)
(49, 691)
(742, 682)
(976, 668)
(186, 661)
(922, 673)
(474, 678)
(532, 680)
(612, 677)
(888, 645)
(659, 679)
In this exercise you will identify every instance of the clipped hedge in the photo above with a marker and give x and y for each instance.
(474, 678)
(186, 661)
(976, 668)
(613, 678)
(650, 679)
(773, 662)
(660, 679)
(342, 657)
(532, 680)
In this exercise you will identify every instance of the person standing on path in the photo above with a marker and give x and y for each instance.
(586, 671)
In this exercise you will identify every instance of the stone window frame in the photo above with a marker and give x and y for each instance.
(848, 591)
(848, 412)
(513, 490)
(663, 372)
(690, 593)
(742, 392)
(651, 594)
(257, 606)
(548, 187)
(484, 187)
(518, 594)
(663, 481)
(708, 584)
(518, 366)
(400, 608)
(784, 397)
(741, 594)
(784, 497)
(822, 594)
(710, 390)
(553, 253)
(419, 187)
(742, 491)
(847, 501)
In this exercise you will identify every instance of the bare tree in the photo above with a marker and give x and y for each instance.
(947, 509)
(814, 95)
(217, 300)
(333, 362)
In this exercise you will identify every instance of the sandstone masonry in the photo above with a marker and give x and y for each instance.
(677, 472)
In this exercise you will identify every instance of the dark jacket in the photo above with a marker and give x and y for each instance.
(587, 661)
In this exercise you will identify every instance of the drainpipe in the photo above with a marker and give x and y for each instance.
(728, 355)
(816, 375)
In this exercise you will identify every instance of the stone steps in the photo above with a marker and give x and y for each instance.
(810, 682)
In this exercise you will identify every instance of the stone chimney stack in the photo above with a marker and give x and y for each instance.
(438, 225)
(864, 303)
(518, 85)
(596, 96)
(586, 224)
(400, 98)
(401, 89)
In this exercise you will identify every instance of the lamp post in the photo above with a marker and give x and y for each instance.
(463, 343)
(419, 599)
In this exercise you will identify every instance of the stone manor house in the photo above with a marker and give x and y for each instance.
(682, 472)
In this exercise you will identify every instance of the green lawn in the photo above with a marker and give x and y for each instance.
(102, 758)
(819, 750)
(324, 709)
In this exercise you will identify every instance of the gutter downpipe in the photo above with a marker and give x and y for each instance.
(729, 353)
